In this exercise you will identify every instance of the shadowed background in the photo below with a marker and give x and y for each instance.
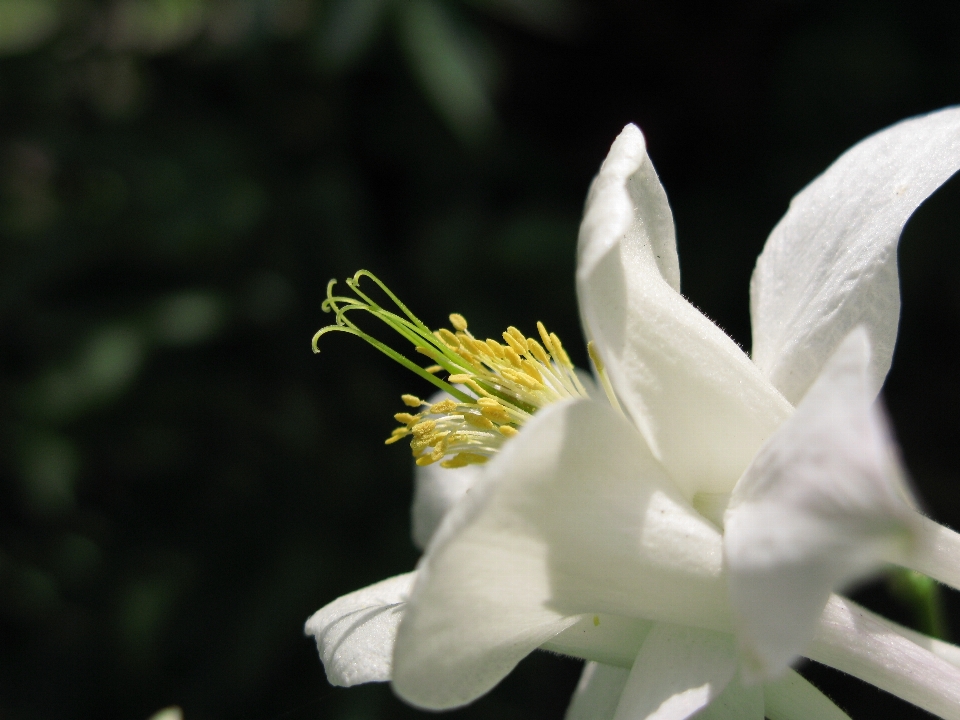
(183, 481)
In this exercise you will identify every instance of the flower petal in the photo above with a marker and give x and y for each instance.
(598, 692)
(699, 401)
(573, 516)
(855, 641)
(355, 633)
(831, 262)
(607, 639)
(435, 491)
(794, 698)
(678, 672)
(823, 503)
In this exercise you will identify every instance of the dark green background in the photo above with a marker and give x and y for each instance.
(183, 481)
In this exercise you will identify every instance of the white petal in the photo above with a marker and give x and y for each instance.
(822, 503)
(573, 516)
(737, 702)
(435, 491)
(678, 672)
(355, 633)
(831, 262)
(607, 639)
(598, 692)
(794, 698)
(855, 641)
(702, 405)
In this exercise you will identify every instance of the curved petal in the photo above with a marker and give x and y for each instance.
(823, 503)
(607, 639)
(855, 641)
(678, 672)
(355, 633)
(699, 401)
(435, 491)
(573, 516)
(831, 263)
(794, 698)
(598, 692)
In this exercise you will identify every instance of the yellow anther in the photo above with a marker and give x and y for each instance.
(411, 400)
(426, 460)
(508, 430)
(517, 335)
(531, 370)
(512, 356)
(458, 321)
(473, 385)
(495, 347)
(477, 348)
(423, 428)
(407, 418)
(467, 355)
(444, 406)
(559, 353)
(478, 421)
(463, 459)
(527, 381)
(545, 336)
(458, 379)
(393, 438)
(487, 402)
(536, 349)
(436, 438)
(433, 369)
(595, 356)
(449, 339)
(429, 352)
(497, 413)
(519, 347)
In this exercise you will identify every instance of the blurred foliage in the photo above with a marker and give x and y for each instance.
(183, 482)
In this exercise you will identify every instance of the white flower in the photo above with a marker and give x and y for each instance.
(689, 543)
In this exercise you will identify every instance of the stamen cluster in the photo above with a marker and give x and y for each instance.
(509, 383)
(493, 387)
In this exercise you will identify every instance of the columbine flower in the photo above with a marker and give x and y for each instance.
(686, 533)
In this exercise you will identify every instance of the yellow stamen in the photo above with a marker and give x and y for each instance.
(407, 418)
(595, 355)
(545, 336)
(495, 347)
(512, 356)
(536, 349)
(519, 347)
(448, 338)
(559, 353)
(443, 407)
(478, 421)
(433, 369)
(531, 370)
(459, 379)
(411, 400)
(458, 321)
(508, 430)
(463, 459)
(423, 428)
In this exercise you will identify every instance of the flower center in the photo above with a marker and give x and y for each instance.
(493, 387)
